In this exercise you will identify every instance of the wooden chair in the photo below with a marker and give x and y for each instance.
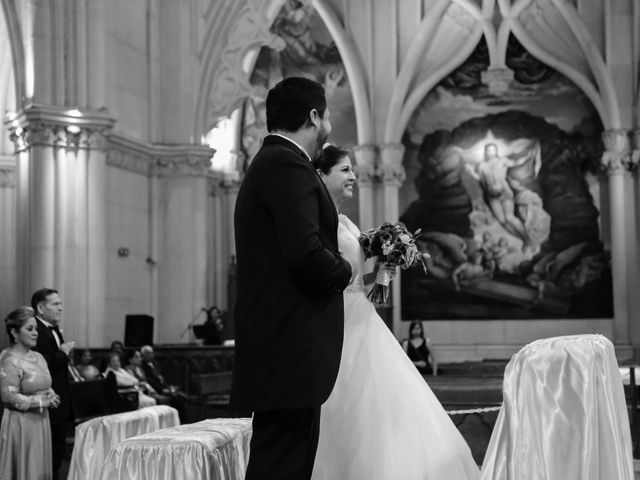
(212, 392)
(90, 399)
(120, 399)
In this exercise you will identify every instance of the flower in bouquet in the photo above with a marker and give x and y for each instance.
(392, 245)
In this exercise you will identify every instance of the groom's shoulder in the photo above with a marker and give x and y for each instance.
(277, 149)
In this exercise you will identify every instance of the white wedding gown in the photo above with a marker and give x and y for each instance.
(382, 421)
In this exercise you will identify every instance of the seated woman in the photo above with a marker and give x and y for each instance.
(25, 390)
(417, 348)
(125, 379)
(564, 414)
(134, 367)
(87, 370)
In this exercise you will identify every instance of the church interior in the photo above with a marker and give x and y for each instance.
(507, 131)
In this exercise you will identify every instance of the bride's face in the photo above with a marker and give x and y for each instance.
(341, 180)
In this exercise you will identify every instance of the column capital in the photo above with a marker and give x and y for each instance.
(498, 79)
(616, 158)
(391, 170)
(634, 158)
(616, 140)
(633, 162)
(230, 182)
(615, 163)
(59, 126)
(365, 156)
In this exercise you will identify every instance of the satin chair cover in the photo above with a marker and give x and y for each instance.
(94, 438)
(215, 449)
(564, 415)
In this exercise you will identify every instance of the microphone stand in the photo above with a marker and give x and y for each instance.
(192, 323)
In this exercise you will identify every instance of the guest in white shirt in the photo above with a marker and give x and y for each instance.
(126, 379)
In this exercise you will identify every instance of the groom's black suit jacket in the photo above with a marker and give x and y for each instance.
(58, 364)
(289, 311)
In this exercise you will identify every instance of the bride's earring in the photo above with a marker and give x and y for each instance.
(321, 175)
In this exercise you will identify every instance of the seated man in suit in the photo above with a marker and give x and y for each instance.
(154, 377)
(158, 382)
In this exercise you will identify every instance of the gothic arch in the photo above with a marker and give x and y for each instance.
(10, 21)
(581, 62)
(11, 70)
(224, 83)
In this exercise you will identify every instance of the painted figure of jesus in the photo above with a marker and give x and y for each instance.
(491, 173)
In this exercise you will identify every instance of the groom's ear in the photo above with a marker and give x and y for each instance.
(314, 118)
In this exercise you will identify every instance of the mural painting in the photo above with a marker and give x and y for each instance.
(505, 189)
(310, 52)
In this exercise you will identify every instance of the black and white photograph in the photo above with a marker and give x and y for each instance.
(320, 239)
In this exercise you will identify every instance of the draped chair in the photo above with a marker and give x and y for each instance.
(563, 416)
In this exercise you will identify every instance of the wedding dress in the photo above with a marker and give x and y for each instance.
(382, 421)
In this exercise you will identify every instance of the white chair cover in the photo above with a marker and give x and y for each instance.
(214, 449)
(94, 438)
(564, 415)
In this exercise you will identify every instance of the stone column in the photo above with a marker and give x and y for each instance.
(230, 186)
(8, 245)
(216, 235)
(392, 175)
(61, 205)
(613, 160)
(633, 165)
(182, 173)
(365, 157)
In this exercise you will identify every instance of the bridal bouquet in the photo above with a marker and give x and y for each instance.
(392, 245)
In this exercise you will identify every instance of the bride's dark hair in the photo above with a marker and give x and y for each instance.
(329, 158)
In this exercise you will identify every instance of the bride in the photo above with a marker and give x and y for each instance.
(381, 421)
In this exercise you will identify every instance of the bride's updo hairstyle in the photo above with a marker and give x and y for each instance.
(16, 319)
(329, 158)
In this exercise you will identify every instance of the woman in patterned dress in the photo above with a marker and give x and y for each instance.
(25, 389)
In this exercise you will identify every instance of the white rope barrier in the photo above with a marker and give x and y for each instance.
(473, 410)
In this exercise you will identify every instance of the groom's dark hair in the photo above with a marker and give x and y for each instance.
(291, 100)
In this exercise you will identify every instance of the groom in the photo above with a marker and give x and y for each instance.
(289, 310)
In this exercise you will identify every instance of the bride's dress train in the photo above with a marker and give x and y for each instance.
(382, 421)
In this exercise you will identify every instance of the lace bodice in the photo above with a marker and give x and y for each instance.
(22, 376)
(348, 234)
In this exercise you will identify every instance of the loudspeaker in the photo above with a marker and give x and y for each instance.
(138, 330)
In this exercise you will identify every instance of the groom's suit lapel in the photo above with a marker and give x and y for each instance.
(47, 333)
(276, 139)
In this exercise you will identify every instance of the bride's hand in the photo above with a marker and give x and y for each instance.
(390, 269)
